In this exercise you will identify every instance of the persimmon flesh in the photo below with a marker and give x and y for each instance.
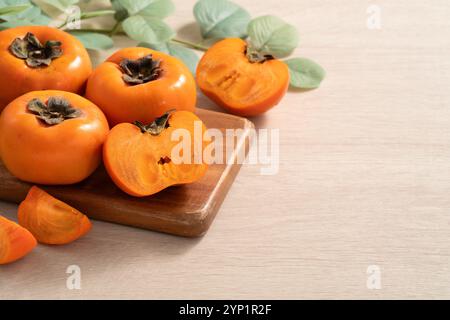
(15, 241)
(242, 86)
(139, 161)
(50, 220)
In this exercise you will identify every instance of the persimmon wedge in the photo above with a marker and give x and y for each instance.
(145, 159)
(50, 220)
(244, 83)
(15, 241)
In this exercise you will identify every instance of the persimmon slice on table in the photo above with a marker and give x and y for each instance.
(15, 241)
(41, 58)
(244, 83)
(50, 220)
(140, 84)
(139, 159)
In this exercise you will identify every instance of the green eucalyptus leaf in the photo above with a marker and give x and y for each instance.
(60, 4)
(305, 73)
(13, 9)
(271, 35)
(148, 8)
(93, 40)
(30, 16)
(147, 29)
(159, 9)
(221, 19)
(188, 56)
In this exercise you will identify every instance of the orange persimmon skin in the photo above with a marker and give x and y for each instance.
(132, 158)
(50, 220)
(121, 102)
(226, 76)
(15, 241)
(65, 153)
(68, 72)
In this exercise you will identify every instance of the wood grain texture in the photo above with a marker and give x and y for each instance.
(363, 180)
(186, 210)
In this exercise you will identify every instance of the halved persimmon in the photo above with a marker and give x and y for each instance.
(244, 83)
(139, 158)
(15, 241)
(50, 220)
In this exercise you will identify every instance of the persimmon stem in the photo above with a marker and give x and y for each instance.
(34, 52)
(156, 127)
(140, 71)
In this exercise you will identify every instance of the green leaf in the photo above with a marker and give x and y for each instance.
(271, 35)
(145, 29)
(93, 41)
(188, 56)
(148, 8)
(30, 16)
(29, 13)
(221, 19)
(13, 9)
(305, 73)
(60, 4)
(159, 9)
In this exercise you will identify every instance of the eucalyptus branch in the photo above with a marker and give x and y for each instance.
(216, 20)
(115, 29)
(111, 32)
(190, 44)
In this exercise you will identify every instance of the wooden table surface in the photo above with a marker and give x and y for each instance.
(364, 180)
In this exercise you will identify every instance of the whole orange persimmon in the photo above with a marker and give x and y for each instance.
(140, 84)
(40, 58)
(52, 137)
(245, 83)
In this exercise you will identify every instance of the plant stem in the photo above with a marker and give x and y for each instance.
(89, 15)
(190, 44)
(95, 14)
(115, 28)
(104, 31)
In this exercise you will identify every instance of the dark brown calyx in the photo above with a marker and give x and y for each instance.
(156, 127)
(33, 52)
(54, 112)
(140, 71)
(255, 56)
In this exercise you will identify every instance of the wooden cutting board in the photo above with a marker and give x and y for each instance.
(186, 210)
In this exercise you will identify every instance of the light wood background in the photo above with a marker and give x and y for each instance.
(364, 180)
